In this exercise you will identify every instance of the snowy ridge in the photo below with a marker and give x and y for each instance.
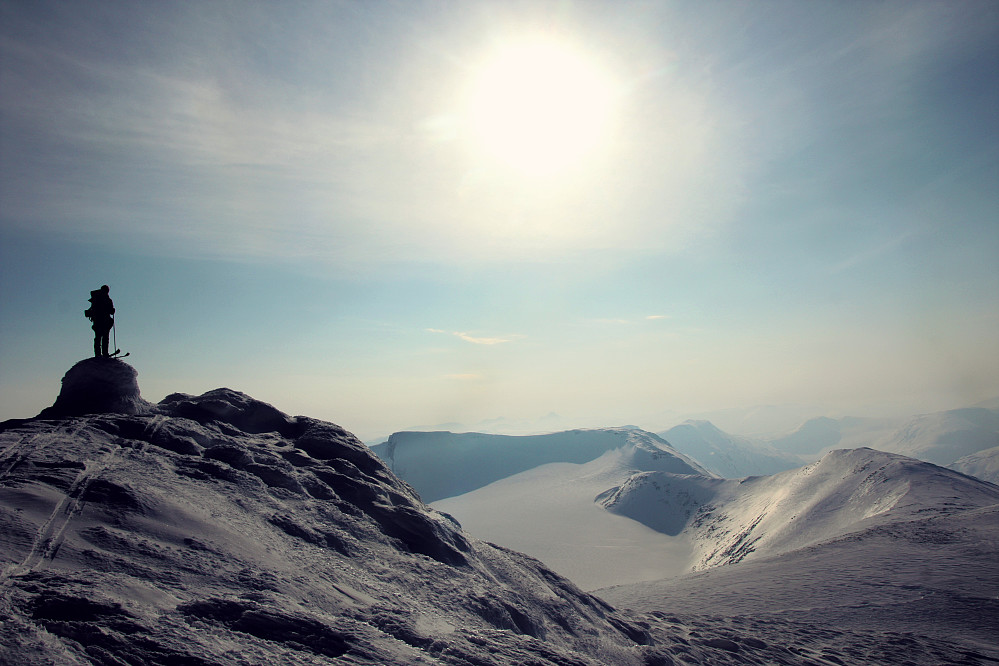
(445, 464)
(846, 491)
(944, 437)
(983, 465)
(940, 438)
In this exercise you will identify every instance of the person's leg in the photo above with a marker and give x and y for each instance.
(105, 337)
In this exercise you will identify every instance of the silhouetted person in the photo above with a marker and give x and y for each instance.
(101, 313)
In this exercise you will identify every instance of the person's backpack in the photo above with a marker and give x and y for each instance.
(100, 305)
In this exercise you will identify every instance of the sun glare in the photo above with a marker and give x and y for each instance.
(539, 106)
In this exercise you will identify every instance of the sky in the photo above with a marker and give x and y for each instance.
(393, 214)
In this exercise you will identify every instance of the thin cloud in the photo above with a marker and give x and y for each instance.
(476, 340)
(481, 341)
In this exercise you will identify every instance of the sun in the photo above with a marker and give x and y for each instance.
(539, 106)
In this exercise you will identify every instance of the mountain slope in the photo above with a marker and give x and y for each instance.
(217, 530)
(933, 576)
(982, 465)
(846, 491)
(445, 464)
(944, 437)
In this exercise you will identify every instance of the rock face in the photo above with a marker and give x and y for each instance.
(97, 386)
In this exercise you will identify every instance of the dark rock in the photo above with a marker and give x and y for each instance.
(96, 386)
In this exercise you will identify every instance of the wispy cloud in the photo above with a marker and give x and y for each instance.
(477, 340)
(655, 317)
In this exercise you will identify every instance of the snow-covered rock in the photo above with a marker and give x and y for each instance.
(216, 529)
(97, 385)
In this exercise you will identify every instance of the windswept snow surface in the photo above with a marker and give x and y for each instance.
(217, 530)
(934, 577)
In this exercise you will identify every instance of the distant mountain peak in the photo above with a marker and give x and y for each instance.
(446, 464)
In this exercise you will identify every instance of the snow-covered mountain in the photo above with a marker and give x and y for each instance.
(728, 456)
(944, 437)
(445, 464)
(983, 465)
(217, 530)
(940, 438)
(861, 540)
(847, 491)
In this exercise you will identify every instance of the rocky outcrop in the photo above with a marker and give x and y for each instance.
(98, 386)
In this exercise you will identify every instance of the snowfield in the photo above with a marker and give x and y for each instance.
(215, 529)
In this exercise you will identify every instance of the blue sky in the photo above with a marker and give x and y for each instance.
(782, 203)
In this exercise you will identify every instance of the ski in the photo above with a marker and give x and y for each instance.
(117, 354)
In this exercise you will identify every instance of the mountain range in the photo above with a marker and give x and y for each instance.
(817, 542)
(216, 529)
(941, 438)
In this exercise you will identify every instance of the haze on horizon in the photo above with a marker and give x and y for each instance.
(387, 214)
